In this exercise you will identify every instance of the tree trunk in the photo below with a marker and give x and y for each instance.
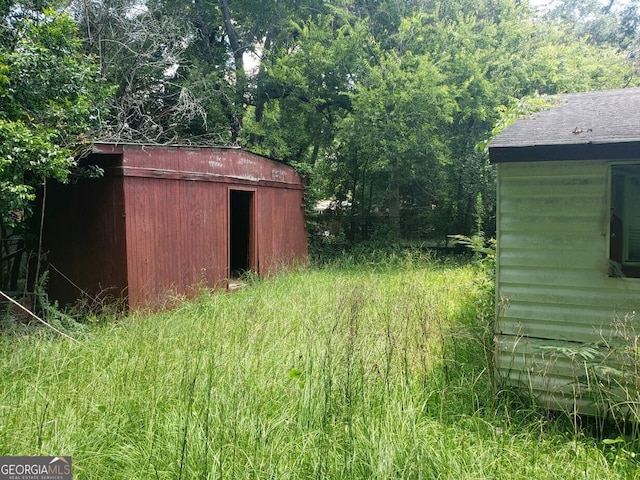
(394, 200)
(236, 107)
(261, 97)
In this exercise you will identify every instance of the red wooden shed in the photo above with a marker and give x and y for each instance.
(164, 219)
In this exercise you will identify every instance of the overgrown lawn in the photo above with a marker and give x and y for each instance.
(357, 370)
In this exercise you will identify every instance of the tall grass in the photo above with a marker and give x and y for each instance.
(352, 370)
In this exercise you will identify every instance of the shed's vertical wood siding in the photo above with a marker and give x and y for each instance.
(85, 239)
(282, 214)
(553, 284)
(171, 206)
(176, 237)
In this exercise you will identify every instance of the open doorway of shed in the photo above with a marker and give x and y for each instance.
(241, 232)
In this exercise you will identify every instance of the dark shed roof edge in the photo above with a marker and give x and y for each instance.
(587, 151)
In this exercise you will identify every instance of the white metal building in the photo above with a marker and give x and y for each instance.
(568, 260)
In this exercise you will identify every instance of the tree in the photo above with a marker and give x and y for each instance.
(50, 100)
(602, 22)
(492, 54)
(218, 37)
(381, 103)
(610, 23)
(424, 87)
(398, 129)
(308, 88)
(140, 53)
(50, 97)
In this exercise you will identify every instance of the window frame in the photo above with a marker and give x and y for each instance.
(620, 176)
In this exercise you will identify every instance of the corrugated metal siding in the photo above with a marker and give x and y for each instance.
(178, 217)
(200, 163)
(552, 282)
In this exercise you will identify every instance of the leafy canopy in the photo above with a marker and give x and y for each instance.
(50, 96)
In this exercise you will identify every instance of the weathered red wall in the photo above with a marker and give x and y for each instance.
(176, 236)
(84, 239)
(173, 207)
(280, 223)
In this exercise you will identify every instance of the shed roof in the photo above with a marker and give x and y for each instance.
(579, 126)
(188, 162)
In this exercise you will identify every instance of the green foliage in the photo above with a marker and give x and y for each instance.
(602, 23)
(23, 154)
(614, 373)
(308, 87)
(139, 52)
(383, 101)
(607, 375)
(50, 96)
(388, 104)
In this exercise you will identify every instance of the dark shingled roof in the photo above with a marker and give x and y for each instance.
(589, 125)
